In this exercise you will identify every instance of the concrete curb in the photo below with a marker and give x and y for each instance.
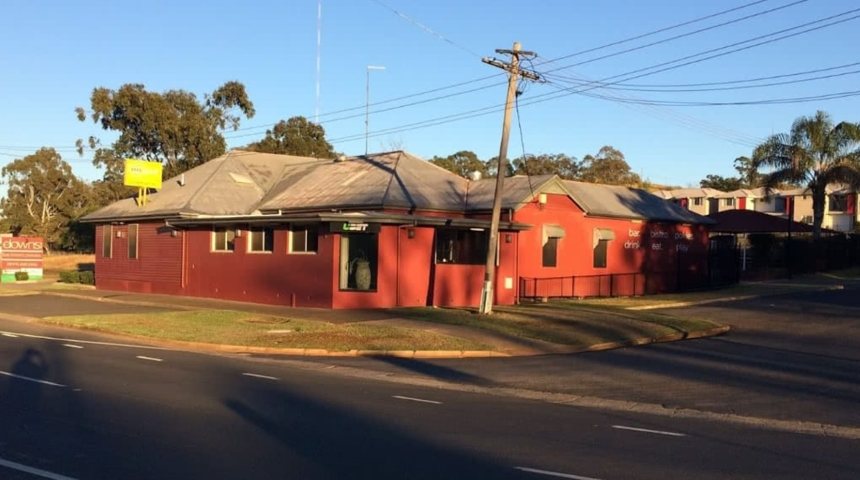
(423, 354)
(728, 299)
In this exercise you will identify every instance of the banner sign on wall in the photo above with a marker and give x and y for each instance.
(20, 254)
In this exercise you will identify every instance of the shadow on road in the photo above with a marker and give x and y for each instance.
(324, 440)
(435, 371)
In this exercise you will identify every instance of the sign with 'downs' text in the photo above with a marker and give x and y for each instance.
(21, 254)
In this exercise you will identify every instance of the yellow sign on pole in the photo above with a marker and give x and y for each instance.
(142, 174)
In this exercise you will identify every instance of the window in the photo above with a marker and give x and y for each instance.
(468, 247)
(107, 241)
(600, 243)
(600, 253)
(550, 236)
(303, 238)
(358, 261)
(132, 241)
(223, 239)
(730, 202)
(697, 201)
(779, 204)
(260, 239)
(838, 203)
(550, 252)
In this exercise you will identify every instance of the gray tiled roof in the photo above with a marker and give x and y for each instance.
(394, 180)
(689, 193)
(626, 202)
(232, 184)
(242, 183)
(517, 189)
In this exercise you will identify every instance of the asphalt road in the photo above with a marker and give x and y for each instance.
(70, 408)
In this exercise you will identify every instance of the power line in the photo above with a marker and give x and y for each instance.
(718, 89)
(642, 72)
(723, 82)
(425, 28)
(582, 52)
(700, 53)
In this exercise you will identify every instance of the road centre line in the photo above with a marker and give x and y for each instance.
(11, 335)
(33, 471)
(72, 345)
(257, 375)
(151, 359)
(645, 430)
(31, 379)
(413, 399)
(554, 474)
(89, 342)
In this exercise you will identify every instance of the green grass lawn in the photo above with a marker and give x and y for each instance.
(249, 329)
(563, 323)
(738, 290)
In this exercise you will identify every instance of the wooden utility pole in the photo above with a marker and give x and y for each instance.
(514, 73)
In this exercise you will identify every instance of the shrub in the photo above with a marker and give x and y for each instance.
(22, 276)
(70, 276)
(87, 277)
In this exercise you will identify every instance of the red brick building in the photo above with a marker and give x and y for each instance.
(372, 232)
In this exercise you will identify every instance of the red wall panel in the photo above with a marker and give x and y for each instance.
(278, 278)
(157, 269)
(655, 248)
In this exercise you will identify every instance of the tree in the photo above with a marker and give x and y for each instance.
(296, 136)
(173, 127)
(547, 164)
(726, 184)
(815, 154)
(608, 167)
(747, 172)
(461, 163)
(43, 196)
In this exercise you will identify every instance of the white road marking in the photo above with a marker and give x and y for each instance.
(257, 375)
(72, 345)
(645, 430)
(30, 379)
(88, 342)
(554, 474)
(151, 359)
(33, 471)
(416, 399)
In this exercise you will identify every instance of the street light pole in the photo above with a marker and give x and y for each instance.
(367, 104)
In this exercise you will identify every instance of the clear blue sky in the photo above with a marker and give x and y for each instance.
(54, 53)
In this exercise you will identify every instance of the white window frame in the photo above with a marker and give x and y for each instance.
(214, 243)
(135, 240)
(307, 229)
(107, 233)
(252, 232)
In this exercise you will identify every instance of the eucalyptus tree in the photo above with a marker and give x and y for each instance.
(173, 127)
(814, 154)
(296, 136)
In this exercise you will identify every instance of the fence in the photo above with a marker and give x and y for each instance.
(722, 269)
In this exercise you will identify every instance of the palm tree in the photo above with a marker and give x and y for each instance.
(815, 154)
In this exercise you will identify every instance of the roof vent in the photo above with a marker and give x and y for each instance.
(182, 180)
(474, 175)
